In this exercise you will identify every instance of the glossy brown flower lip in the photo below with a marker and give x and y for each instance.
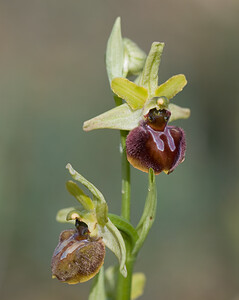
(77, 257)
(160, 150)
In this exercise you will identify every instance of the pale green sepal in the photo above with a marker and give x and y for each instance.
(178, 112)
(121, 117)
(75, 175)
(149, 212)
(134, 57)
(115, 52)
(138, 284)
(62, 214)
(75, 191)
(149, 76)
(133, 94)
(97, 291)
(171, 87)
(114, 241)
(102, 213)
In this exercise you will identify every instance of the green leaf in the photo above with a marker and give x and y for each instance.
(138, 284)
(178, 112)
(121, 117)
(75, 175)
(114, 241)
(171, 87)
(149, 75)
(133, 94)
(134, 58)
(61, 216)
(102, 213)
(149, 212)
(124, 226)
(98, 288)
(115, 52)
(75, 191)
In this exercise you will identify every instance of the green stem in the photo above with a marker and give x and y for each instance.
(124, 284)
(125, 208)
(125, 170)
(123, 291)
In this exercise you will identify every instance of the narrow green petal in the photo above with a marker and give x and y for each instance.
(115, 52)
(149, 212)
(98, 288)
(121, 117)
(178, 112)
(138, 283)
(75, 175)
(133, 94)
(149, 75)
(115, 242)
(75, 191)
(171, 87)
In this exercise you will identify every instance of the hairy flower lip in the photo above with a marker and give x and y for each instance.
(78, 257)
(160, 150)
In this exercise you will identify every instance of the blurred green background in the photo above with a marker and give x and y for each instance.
(52, 78)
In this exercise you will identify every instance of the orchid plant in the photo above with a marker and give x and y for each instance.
(148, 143)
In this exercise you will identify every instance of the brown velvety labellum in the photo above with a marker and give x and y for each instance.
(77, 257)
(160, 150)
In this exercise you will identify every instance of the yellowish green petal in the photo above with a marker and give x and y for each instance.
(133, 94)
(171, 87)
(75, 191)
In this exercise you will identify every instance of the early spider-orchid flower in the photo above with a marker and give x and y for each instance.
(80, 252)
(151, 142)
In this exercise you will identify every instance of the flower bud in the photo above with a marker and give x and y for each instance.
(154, 144)
(134, 57)
(78, 257)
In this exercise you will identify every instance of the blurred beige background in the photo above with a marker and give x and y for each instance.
(52, 78)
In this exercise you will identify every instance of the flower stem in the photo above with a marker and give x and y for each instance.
(123, 290)
(125, 208)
